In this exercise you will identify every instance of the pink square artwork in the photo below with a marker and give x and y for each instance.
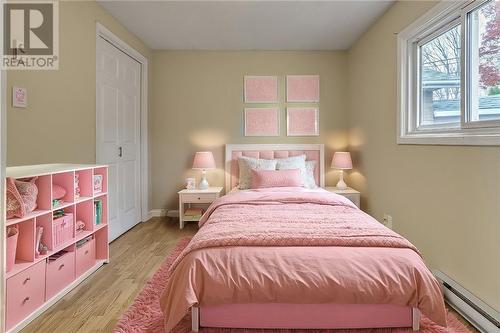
(302, 88)
(261, 89)
(302, 121)
(262, 122)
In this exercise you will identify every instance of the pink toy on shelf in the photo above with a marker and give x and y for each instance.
(80, 226)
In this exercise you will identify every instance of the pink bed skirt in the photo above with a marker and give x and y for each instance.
(306, 316)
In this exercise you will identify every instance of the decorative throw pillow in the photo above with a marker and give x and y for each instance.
(28, 192)
(294, 162)
(58, 192)
(15, 205)
(246, 164)
(309, 180)
(276, 178)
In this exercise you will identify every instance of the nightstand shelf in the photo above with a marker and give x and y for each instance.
(195, 197)
(349, 193)
(190, 219)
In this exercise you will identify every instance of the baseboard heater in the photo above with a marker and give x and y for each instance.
(478, 313)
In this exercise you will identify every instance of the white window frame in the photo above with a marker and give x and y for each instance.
(439, 19)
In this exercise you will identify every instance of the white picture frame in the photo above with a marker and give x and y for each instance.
(253, 126)
(302, 88)
(297, 123)
(19, 97)
(260, 89)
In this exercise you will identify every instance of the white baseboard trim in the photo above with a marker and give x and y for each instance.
(173, 213)
(158, 212)
(164, 212)
(478, 313)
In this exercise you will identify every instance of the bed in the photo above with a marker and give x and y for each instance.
(293, 258)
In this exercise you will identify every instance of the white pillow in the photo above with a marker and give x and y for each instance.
(309, 180)
(306, 168)
(246, 164)
(295, 162)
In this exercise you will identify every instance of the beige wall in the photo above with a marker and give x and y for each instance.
(445, 199)
(197, 105)
(59, 123)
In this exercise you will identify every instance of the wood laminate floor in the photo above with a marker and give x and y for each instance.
(98, 302)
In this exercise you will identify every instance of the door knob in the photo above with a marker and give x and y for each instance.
(120, 151)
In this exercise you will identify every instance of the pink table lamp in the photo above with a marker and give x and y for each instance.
(203, 160)
(342, 161)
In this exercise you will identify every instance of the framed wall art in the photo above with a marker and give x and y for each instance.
(302, 88)
(260, 89)
(262, 122)
(302, 121)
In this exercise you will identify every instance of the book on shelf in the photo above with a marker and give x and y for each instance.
(98, 211)
(193, 212)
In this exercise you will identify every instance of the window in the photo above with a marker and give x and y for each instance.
(449, 75)
(484, 64)
(439, 68)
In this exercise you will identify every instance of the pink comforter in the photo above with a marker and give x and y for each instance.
(295, 247)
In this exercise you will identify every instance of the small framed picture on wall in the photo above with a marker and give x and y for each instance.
(260, 89)
(19, 97)
(262, 122)
(302, 121)
(302, 88)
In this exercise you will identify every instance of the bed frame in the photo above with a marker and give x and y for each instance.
(305, 316)
(296, 316)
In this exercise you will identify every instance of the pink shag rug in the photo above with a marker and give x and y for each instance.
(145, 316)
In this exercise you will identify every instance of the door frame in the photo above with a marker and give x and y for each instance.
(103, 32)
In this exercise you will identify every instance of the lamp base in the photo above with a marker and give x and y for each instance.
(203, 182)
(341, 185)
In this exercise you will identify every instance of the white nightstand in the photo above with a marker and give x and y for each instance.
(349, 193)
(196, 197)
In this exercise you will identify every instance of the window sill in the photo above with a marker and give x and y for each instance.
(449, 139)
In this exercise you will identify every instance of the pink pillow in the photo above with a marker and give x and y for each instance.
(29, 192)
(21, 197)
(15, 205)
(58, 192)
(276, 178)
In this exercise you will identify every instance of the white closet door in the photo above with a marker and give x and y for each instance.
(118, 134)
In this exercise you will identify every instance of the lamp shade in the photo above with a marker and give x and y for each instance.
(342, 160)
(204, 160)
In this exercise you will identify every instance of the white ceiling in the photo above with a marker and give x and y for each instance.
(247, 25)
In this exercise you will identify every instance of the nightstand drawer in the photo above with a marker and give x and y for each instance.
(199, 198)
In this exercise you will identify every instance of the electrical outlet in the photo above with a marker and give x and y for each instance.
(387, 221)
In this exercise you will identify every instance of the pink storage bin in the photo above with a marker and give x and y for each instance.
(25, 294)
(85, 257)
(11, 250)
(62, 229)
(60, 273)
